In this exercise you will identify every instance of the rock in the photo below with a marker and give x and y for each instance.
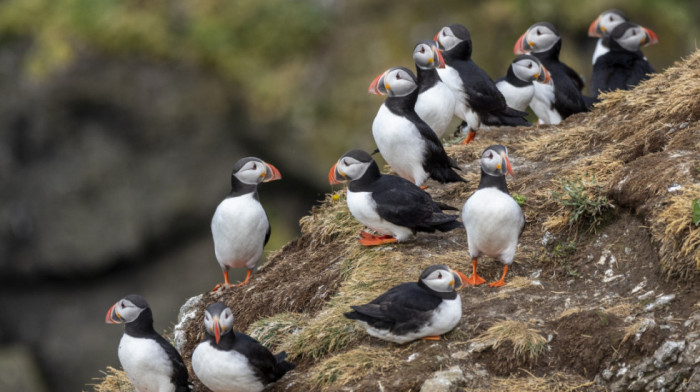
(19, 370)
(188, 310)
(660, 301)
(444, 381)
(667, 354)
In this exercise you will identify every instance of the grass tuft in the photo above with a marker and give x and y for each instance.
(584, 208)
(113, 380)
(350, 366)
(272, 331)
(526, 341)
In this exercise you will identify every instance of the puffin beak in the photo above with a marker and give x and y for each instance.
(593, 28)
(437, 37)
(112, 317)
(377, 86)
(271, 173)
(519, 47)
(334, 175)
(650, 38)
(459, 278)
(544, 76)
(440, 59)
(217, 330)
(509, 168)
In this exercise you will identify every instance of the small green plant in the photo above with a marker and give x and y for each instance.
(696, 212)
(560, 254)
(583, 207)
(520, 199)
(603, 318)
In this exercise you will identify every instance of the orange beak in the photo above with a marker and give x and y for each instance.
(462, 279)
(441, 60)
(437, 37)
(593, 28)
(651, 37)
(544, 77)
(271, 173)
(519, 47)
(112, 317)
(374, 86)
(509, 168)
(217, 330)
(332, 176)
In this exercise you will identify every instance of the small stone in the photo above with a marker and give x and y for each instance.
(188, 310)
(668, 353)
(444, 381)
(660, 301)
(607, 374)
(412, 357)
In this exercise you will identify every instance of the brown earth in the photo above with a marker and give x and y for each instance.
(587, 298)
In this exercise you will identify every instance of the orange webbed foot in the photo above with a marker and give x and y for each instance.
(470, 136)
(497, 283)
(377, 241)
(431, 337)
(475, 280)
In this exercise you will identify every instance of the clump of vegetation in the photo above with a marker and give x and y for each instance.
(271, 331)
(344, 368)
(696, 212)
(520, 199)
(113, 380)
(584, 208)
(526, 341)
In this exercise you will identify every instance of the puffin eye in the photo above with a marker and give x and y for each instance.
(255, 166)
(529, 65)
(440, 275)
(345, 162)
(490, 155)
(398, 76)
(123, 306)
(422, 50)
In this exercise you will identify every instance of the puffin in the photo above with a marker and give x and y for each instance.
(517, 86)
(624, 66)
(436, 102)
(390, 205)
(601, 27)
(543, 41)
(493, 219)
(239, 226)
(405, 141)
(479, 103)
(229, 361)
(424, 309)
(150, 362)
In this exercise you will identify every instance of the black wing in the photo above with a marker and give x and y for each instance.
(267, 233)
(260, 358)
(401, 202)
(180, 376)
(574, 76)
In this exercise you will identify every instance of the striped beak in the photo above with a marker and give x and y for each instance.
(271, 173)
(650, 38)
(377, 86)
(594, 30)
(113, 316)
(543, 76)
(521, 45)
(335, 177)
(460, 279)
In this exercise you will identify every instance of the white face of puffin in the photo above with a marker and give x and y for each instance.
(607, 21)
(427, 56)
(351, 168)
(398, 82)
(124, 311)
(528, 70)
(635, 37)
(540, 38)
(443, 280)
(447, 38)
(256, 171)
(496, 163)
(218, 324)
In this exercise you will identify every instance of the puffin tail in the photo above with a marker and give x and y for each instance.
(507, 117)
(445, 175)
(282, 365)
(448, 226)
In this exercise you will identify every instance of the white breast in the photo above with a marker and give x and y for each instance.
(146, 364)
(542, 103)
(436, 107)
(238, 227)
(363, 208)
(451, 78)
(401, 145)
(516, 97)
(443, 320)
(224, 371)
(493, 221)
(600, 50)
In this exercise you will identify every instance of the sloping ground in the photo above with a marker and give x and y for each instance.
(603, 295)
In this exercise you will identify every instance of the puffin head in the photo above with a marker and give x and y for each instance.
(351, 166)
(528, 68)
(540, 37)
(253, 171)
(495, 162)
(394, 82)
(427, 55)
(126, 310)
(218, 320)
(606, 22)
(442, 278)
(631, 36)
(450, 36)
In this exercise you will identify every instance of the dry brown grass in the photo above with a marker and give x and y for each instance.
(554, 382)
(342, 369)
(113, 380)
(331, 220)
(526, 341)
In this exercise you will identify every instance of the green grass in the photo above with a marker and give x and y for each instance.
(586, 209)
(696, 212)
(520, 199)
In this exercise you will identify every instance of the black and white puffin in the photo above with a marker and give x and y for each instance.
(517, 86)
(240, 227)
(601, 27)
(436, 102)
(150, 362)
(624, 66)
(479, 103)
(544, 42)
(493, 219)
(229, 361)
(414, 310)
(389, 205)
(405, 141)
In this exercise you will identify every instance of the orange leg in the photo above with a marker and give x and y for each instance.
(247, 278)
(470, 136)
(431, 337)
(423, 187)
(367, 239)
(226, 282)
(502, 281)
(475, 279)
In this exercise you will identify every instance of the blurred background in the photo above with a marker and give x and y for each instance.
(120, 121)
